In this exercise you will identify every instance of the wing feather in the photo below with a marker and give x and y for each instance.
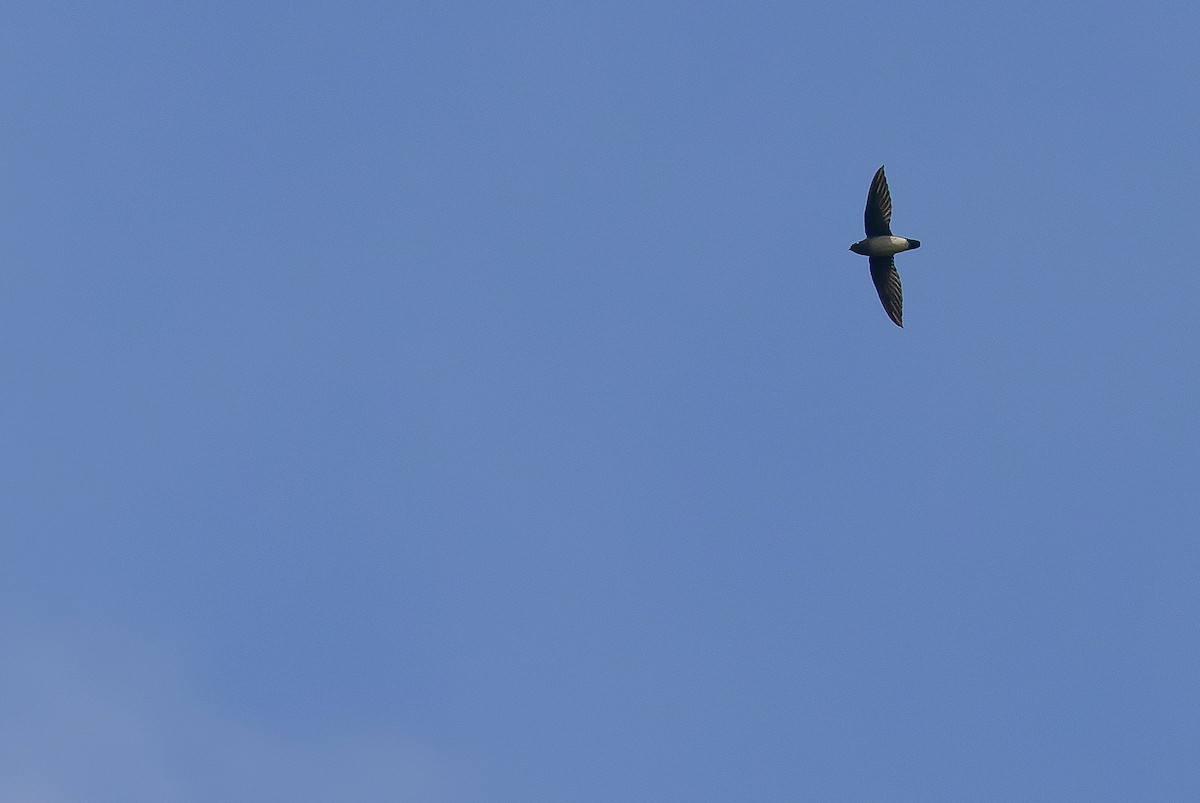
(878, 215)
(887, 284)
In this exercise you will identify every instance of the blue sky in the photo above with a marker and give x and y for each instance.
(479, 402)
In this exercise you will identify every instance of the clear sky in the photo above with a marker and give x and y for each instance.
(479, 402)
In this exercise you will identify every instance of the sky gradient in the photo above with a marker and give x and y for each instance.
(479, 402)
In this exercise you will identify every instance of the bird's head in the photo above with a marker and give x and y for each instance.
(857, 248)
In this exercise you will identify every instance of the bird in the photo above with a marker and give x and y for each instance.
(881, 246)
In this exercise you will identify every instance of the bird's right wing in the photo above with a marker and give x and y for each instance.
(878, 216)
(887, 284)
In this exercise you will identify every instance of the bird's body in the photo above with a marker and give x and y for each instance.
(882, 246)
(885, 246)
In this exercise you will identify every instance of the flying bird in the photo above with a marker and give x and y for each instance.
(882, 247)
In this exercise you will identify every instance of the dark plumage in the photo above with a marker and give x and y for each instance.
(877, 217)
(882, 246)
(887, 284)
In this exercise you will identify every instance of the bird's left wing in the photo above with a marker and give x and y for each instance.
(878, 216)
